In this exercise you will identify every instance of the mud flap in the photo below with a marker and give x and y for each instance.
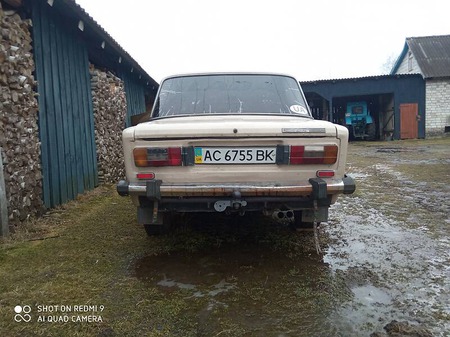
(153, 189)
(319, 189)
(319, 195)
(146, 216)
(319, 215)
(149, 215)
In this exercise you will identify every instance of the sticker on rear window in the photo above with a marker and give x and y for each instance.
(298, 109)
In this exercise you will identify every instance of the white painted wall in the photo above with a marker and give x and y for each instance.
(404, 69)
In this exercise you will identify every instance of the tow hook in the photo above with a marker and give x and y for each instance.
(236, 204)
(222, 205)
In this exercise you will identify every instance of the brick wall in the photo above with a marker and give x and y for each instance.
(437, 106)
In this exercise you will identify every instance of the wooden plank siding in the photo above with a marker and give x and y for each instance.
(409, 120)
(66, 124)
(135, 95)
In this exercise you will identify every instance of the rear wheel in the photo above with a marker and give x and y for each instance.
(153, 230)
(350, 132)
(371, 131)
(169, 220)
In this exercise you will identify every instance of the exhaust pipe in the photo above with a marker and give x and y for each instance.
(283, 216)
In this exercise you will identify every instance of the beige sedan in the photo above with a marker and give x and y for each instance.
(233, 143)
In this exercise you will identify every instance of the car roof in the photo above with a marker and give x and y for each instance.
(227, 74)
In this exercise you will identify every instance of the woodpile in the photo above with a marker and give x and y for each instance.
(19, 135)
(110, 110)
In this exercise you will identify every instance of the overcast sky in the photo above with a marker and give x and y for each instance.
(316, 39)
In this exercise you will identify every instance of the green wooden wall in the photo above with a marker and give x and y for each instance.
(135, 95)
(66, 123)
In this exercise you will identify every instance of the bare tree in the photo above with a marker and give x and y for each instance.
(389, 64)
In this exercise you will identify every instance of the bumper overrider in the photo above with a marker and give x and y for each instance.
(218, 197)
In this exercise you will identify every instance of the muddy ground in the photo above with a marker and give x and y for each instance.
(391, 239)
(386, 257)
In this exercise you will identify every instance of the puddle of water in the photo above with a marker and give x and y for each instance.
(254, 286)
(172, 283)
(219, 288)
(216, 289)
(219, 269)
(370, 295)
(358, 175)
(405, 243)
(401, 149)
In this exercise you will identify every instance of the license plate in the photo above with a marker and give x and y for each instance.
(226, 155)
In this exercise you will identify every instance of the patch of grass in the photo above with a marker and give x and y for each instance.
(82, 257)
(434, 174)
(413, 170)
(85, 253)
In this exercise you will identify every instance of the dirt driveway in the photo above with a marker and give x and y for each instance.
(88, 270)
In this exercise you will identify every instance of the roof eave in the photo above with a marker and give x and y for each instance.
(400, 59)
(94, 26)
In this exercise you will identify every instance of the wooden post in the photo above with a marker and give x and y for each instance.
(4, 228)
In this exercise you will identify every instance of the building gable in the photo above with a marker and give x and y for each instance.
(406, 63)
(428, 55)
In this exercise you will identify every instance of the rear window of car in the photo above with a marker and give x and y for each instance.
(229, 94)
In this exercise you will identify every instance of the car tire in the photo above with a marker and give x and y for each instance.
(154, 230)
(350, 132)
(169, 220)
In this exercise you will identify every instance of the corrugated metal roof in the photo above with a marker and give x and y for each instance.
(87, 19)
(432, 54)
(374, 77)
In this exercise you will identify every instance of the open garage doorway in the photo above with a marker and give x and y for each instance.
(319, 106)
(368, 117)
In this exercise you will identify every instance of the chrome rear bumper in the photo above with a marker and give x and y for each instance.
(156, 189)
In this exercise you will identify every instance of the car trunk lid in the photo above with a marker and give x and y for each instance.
(238, 126)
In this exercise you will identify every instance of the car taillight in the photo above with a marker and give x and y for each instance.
(157, 156)
(313, 154)
(145, 176)
(325, 174)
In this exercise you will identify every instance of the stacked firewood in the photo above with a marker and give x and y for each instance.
(110, 109)
(19, 136)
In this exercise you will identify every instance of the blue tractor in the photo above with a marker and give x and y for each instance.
(359, 121)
